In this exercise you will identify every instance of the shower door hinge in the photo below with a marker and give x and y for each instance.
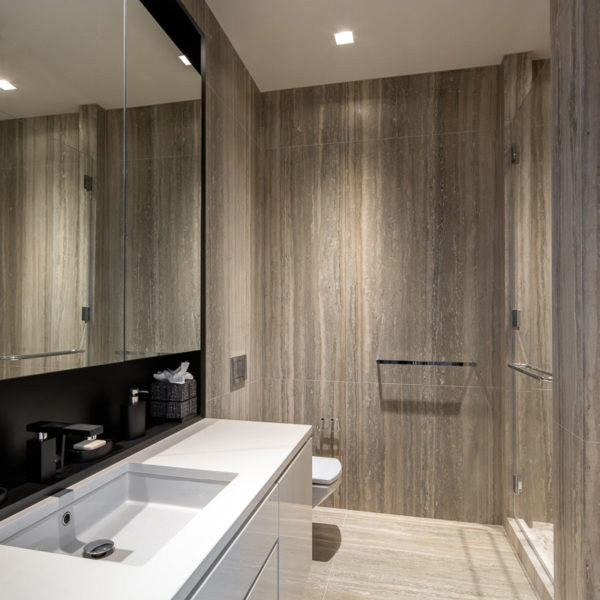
(515, 155)
(517, 485)
(516, 318)
(85, 314)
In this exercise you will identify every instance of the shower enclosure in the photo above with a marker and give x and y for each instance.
(530, 280)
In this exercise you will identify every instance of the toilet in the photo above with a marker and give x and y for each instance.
(326, 478)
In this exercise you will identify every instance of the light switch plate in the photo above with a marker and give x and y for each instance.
(238, 369)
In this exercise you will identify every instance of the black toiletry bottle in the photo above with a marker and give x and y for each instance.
(133, 415)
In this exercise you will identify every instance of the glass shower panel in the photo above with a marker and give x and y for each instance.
(532, 296)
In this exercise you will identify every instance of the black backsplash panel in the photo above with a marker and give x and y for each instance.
(87, 395)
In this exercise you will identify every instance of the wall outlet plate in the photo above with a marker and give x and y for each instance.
(238, 369)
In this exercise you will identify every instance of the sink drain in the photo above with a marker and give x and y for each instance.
(98, 549)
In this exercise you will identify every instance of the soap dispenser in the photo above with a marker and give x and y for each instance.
(133, 415)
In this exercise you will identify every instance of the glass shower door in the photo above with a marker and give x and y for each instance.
(531, 286)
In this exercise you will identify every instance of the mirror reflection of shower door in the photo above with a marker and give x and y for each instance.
(65, 59)
(45, 216)
(531, 278)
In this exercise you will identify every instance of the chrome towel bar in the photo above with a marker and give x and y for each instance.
(40, 354)
(526, 369)
(427, 363)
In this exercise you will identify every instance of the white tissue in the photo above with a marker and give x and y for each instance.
(179, 375)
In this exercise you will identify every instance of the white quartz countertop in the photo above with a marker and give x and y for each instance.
(257, 452)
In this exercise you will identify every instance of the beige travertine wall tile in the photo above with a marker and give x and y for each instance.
(575, 189)
(304, 321)
(416, 105)
(381, 230)
(591, 543)
(421, 240)
(517, 75)
(567, 220)
(421, 450)
(233, 220)
(569, 580)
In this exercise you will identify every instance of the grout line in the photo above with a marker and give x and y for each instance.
(367, 382)
(572, 433)
(333, 561)
(221, 396)
(385, 139)
(230, 110)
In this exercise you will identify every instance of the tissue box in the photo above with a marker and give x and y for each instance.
(174, 410)
(173, 401)
(173, 392)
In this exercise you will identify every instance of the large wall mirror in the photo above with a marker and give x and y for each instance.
(100, 183)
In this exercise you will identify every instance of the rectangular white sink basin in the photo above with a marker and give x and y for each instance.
(140, 509)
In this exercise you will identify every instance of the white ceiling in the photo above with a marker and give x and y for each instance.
(289, 43)
(64, 53)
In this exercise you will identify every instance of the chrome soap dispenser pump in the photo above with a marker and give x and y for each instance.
(133, 415)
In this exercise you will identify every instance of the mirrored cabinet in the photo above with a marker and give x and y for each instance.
(100, 184)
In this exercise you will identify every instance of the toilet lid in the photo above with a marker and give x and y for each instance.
(325, 470)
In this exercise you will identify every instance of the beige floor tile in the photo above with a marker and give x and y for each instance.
(369, 555)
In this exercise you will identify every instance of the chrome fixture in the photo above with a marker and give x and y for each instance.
(531, 371)
(98, 549)
(40, 354)
(427, 363)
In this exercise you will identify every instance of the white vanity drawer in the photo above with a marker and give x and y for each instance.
(237, 569)
(266, 585)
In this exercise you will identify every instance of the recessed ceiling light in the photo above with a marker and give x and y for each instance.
(344, 37)
(185, 60)
(6, 85)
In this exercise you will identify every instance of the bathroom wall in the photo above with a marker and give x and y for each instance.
(576, 295)
(384, 239)
(233, 224)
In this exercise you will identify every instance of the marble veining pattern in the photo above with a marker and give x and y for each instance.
(380, 228)
(575, 240)
(233, 223)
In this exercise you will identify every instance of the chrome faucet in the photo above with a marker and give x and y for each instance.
(46, 433)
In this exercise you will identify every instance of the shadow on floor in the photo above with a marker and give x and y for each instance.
(327, 540)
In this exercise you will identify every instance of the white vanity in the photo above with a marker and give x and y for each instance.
(219, 511)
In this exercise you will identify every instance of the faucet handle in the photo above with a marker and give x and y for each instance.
(56, 428)
(83, 429)
(47, 427)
